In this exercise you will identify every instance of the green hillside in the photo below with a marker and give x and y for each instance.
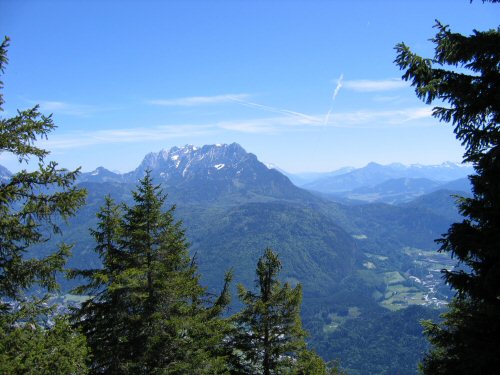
(355, 262)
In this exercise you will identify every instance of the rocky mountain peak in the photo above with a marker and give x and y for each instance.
(177, 158)
(207, 173)
(213, 171)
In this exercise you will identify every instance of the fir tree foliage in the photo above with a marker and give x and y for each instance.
(465, 74)
(29, 347)
(472, 98)
(32, 204)
(102, 317)
(269, 338)
(149, 314)
(33, 339)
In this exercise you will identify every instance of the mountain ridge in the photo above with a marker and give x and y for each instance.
(208, 173)
(373, 174)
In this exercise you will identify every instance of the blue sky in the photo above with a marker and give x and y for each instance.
(305, 85)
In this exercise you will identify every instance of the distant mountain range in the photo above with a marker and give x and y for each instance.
(374, 174)
(225, 170)
(399, 190)
(394, 183)
(356, 260)
(214, 172)
(301, 179)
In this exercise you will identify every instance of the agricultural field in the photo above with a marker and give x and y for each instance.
(420, 284)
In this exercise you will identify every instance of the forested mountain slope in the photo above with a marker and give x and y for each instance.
(355, 262)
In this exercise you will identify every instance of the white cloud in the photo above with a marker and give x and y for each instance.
(286, 121)
(362, 119)
(240, 99)
(52, 105)
(198, 100)
(251, 126)
(366, 85)
(66, 108)
(266, 125)
(382, 118)
(130, 135)
(386, 98)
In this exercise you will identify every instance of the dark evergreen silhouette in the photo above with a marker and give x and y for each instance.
(464, 75)
(32, 207)
(31, 203)
(268, 337)
(150, 314)
(103, 317)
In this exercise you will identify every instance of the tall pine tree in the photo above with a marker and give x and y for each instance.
(151, 314)
(31, 203)
(468, 340)
(103, 318)
(268, 337)
(32, 206)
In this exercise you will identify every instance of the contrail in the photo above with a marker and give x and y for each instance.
(338, 87)
(286, 112)
(334, 96)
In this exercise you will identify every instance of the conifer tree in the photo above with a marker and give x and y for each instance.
(29, 347)
(103, 317)
(151, 315)
(468, 340)
(29, 207)
(32, 206)
(269, 337)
